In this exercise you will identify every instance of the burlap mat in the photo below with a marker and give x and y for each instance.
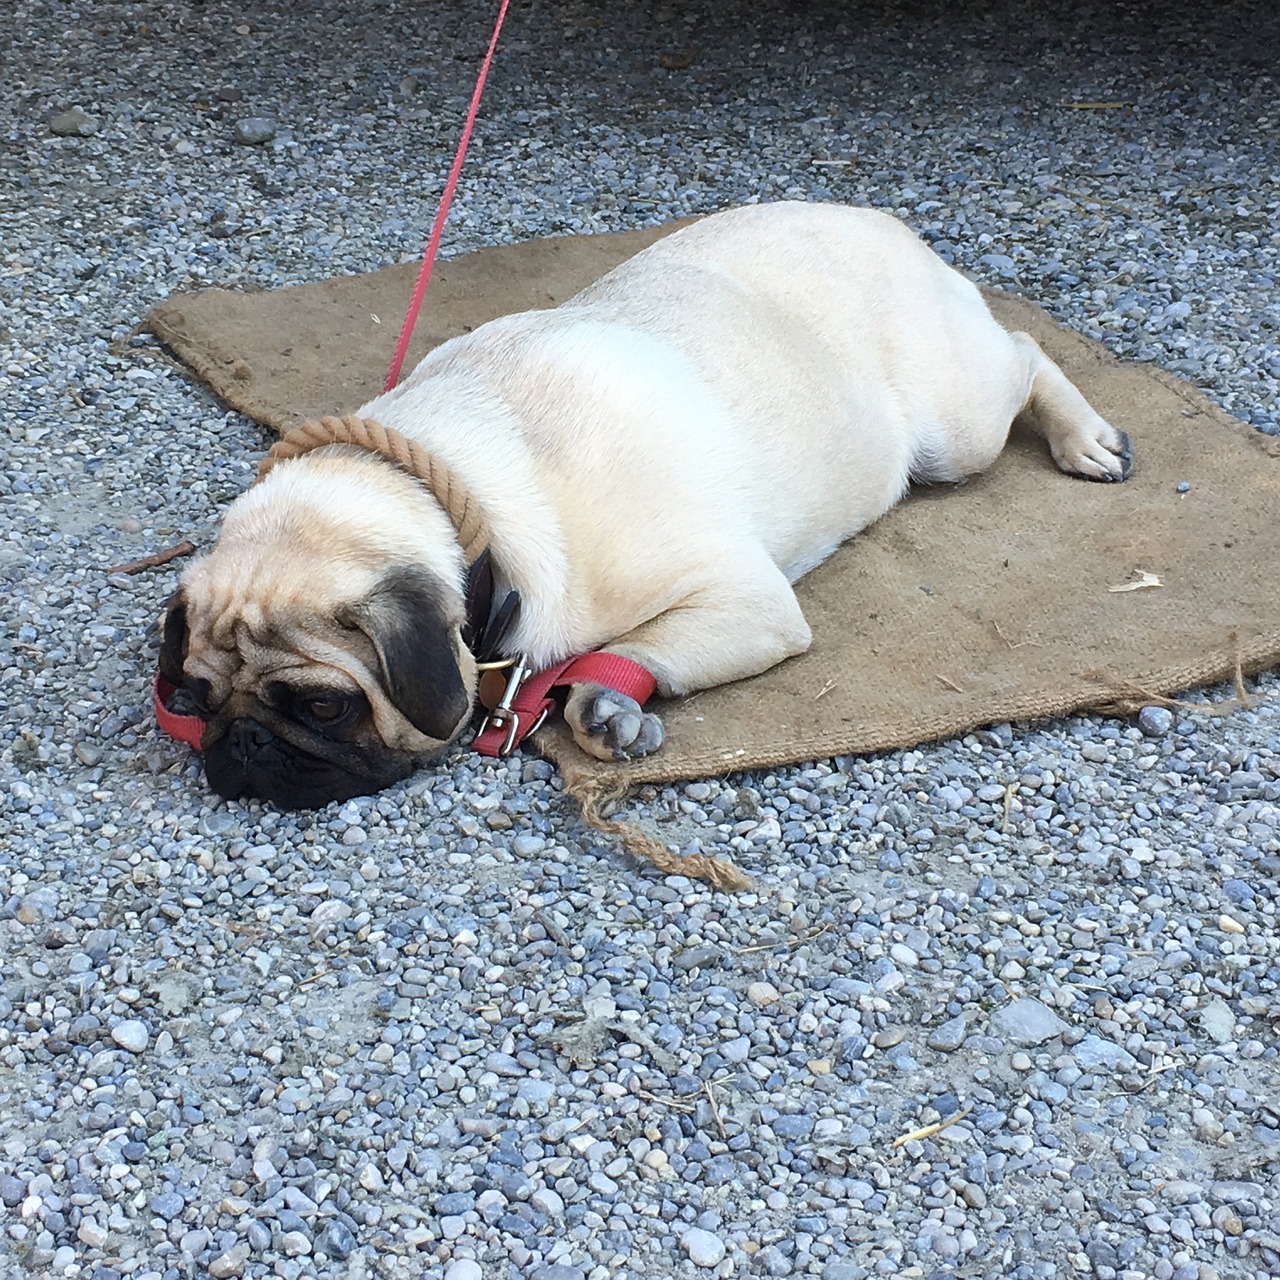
(965, 606)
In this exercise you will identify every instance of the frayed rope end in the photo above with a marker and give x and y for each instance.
(594, 795)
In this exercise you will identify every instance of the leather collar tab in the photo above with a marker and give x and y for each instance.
(489, 621)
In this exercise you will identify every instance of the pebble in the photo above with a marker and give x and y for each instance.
(254, 130)
(74, 123)
(1026, 1022)
(131, 1034)
(948, 1036)
(1218, 1021)
(547, 1201)
(336, 1240)
(703, 1247)
(1155, 722)
(1094, 1051)
(168, 1205)
(230, 1262)
(762, 994)
(295, 1244)
(92, 1233)
(464, 1269)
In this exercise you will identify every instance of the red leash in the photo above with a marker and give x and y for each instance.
(530, 701)
(433, 244)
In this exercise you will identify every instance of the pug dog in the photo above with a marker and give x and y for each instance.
(658, 458)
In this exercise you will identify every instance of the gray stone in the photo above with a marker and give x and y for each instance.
(794, 1127)
(336, 1240)
(1155, 722)
(547, 1201)
(538, 1092)
(1026, 1022)
(131, 1034)
(295, 1244)
(254, 131)
(503, 1064)
(704, 1248)
(229, 1263)
(1093, 1051)
(1217, 1021)
(73, 124)
(948, 1036)
(844, 1270)
(168, 1205)
(699, 957)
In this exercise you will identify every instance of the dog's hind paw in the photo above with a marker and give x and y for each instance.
(1106, 454)
(609, 725)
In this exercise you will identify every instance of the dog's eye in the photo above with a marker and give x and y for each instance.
(326, 707)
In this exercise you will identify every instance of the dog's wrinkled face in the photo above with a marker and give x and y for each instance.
(320, 674)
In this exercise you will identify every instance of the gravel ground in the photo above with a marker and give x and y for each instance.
(444, 1032)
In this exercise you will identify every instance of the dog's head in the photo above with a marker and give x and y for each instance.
(320, 641)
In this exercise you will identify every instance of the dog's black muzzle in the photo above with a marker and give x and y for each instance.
(250, 760)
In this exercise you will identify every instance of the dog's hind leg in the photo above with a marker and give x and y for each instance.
(1081, 441)
(724, 633)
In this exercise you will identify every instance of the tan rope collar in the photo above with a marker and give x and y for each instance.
(444, 484)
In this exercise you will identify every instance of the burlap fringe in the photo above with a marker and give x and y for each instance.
(1131, 697)
(594, 795)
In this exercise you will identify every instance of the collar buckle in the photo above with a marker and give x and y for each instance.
(503, 714)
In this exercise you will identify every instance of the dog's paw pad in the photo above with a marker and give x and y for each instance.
(609, 725)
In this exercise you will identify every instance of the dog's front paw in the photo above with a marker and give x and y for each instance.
(610, 726)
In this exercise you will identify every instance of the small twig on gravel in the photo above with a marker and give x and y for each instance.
(715, 1110)
(784, 942)
(312, 977)
(554, 931)
(1154, 1072)
(158, 558)
(1008, 801)
(245, 930)
(677, 1104)
(826, 689)
(930, 1129)
(951, 684)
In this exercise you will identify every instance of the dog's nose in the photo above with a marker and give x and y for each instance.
(246, 739)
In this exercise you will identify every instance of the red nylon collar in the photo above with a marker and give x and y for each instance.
(188, 729)
(534, 698)
(532, 701)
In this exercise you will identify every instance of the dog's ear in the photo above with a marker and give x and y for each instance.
(414, 640)
(173, 639)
